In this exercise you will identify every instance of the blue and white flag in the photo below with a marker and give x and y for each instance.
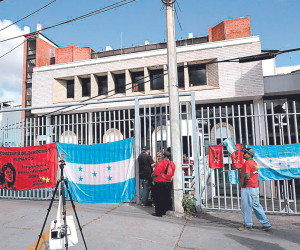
(233, 176)
(280, 162)
(230, 145)
(100, 173)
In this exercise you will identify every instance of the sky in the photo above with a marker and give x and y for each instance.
(277, 23)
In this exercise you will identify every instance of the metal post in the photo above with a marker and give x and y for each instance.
(174, 105)
(195, 152)
(137, 148)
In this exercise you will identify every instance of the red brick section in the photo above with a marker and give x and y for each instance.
(43, 52)
(72, 54)
(230, 29)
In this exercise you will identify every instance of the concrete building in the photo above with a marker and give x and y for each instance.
(124, 93)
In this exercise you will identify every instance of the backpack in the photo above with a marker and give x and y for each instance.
(167, 175)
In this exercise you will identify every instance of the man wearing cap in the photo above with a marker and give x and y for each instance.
(163, 176)
(146, 165)
(250, 193)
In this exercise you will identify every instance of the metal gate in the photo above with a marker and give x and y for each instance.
(200, 126)
(83, 128)
(251, 125)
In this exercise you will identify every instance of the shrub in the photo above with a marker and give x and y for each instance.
(189, 204)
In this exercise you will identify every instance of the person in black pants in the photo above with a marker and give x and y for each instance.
(163, 176)
(146, 165)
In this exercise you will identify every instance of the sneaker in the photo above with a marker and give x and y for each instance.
(244, 228)
(265, 228)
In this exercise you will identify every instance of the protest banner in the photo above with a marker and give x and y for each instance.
(25, 168)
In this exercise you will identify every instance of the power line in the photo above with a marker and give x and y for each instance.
(96, 12)
(12, 50)
(29, 15)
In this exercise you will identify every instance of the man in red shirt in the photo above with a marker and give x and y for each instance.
(250, 193)
(163, 176)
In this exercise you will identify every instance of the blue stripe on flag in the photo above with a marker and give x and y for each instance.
(108, 193)
(98, 153)
(277, 151)
(282, 174)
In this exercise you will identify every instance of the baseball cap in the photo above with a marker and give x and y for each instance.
(146, 148)
(249, 151)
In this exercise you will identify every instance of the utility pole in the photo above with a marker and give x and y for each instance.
(174, 106)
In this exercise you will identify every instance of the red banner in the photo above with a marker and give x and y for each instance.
(215, 153)
(26, 168)
(237, 156)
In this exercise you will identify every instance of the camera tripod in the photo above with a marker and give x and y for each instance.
(63, 183)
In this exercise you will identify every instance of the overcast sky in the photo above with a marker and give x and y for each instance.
(11, 66)
(277, 23)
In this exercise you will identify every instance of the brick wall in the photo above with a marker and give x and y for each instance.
(72, 54)
(230, 29)
(42, 52)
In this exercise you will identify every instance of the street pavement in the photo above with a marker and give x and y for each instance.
(129, 226)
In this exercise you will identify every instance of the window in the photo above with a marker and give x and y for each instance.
(28, 94)
(31, 47)
(86, 86)
(137, 81)
(157, 79)
(180, 71)
(120, 83)
(70, 88)
(197, 75)
(102, 85)
(30, 66)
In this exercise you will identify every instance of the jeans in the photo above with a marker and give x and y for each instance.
(146, 185)
(250, 200)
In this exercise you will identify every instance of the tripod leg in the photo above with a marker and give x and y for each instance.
(64, 214)
(57, 184)
(73, 206)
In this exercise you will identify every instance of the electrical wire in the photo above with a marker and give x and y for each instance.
(178, 20)
(96, 12)
(29, 15)
(12, 49)
(82, 105)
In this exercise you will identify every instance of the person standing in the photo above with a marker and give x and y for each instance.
(163, 176)
(250, 193)
(146, 165)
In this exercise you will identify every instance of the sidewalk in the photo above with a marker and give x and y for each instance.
(129, 226)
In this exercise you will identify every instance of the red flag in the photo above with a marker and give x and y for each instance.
(26, 168)
(237, 156)
(215, 156)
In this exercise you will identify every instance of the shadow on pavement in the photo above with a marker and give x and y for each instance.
(253, 244)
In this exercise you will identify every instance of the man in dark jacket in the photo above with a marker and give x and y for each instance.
(146, 165)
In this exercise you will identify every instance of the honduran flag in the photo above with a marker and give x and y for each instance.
(100, 173)
(230, 145)
(280, 162)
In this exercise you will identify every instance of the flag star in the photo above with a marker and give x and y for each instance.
(47, 179)
(270, 160)
(289, 165)
(109, 178)
(94, 174)
(109, 168)
(80, 178)
(279, 163)
(44, 178)
(80, 169)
